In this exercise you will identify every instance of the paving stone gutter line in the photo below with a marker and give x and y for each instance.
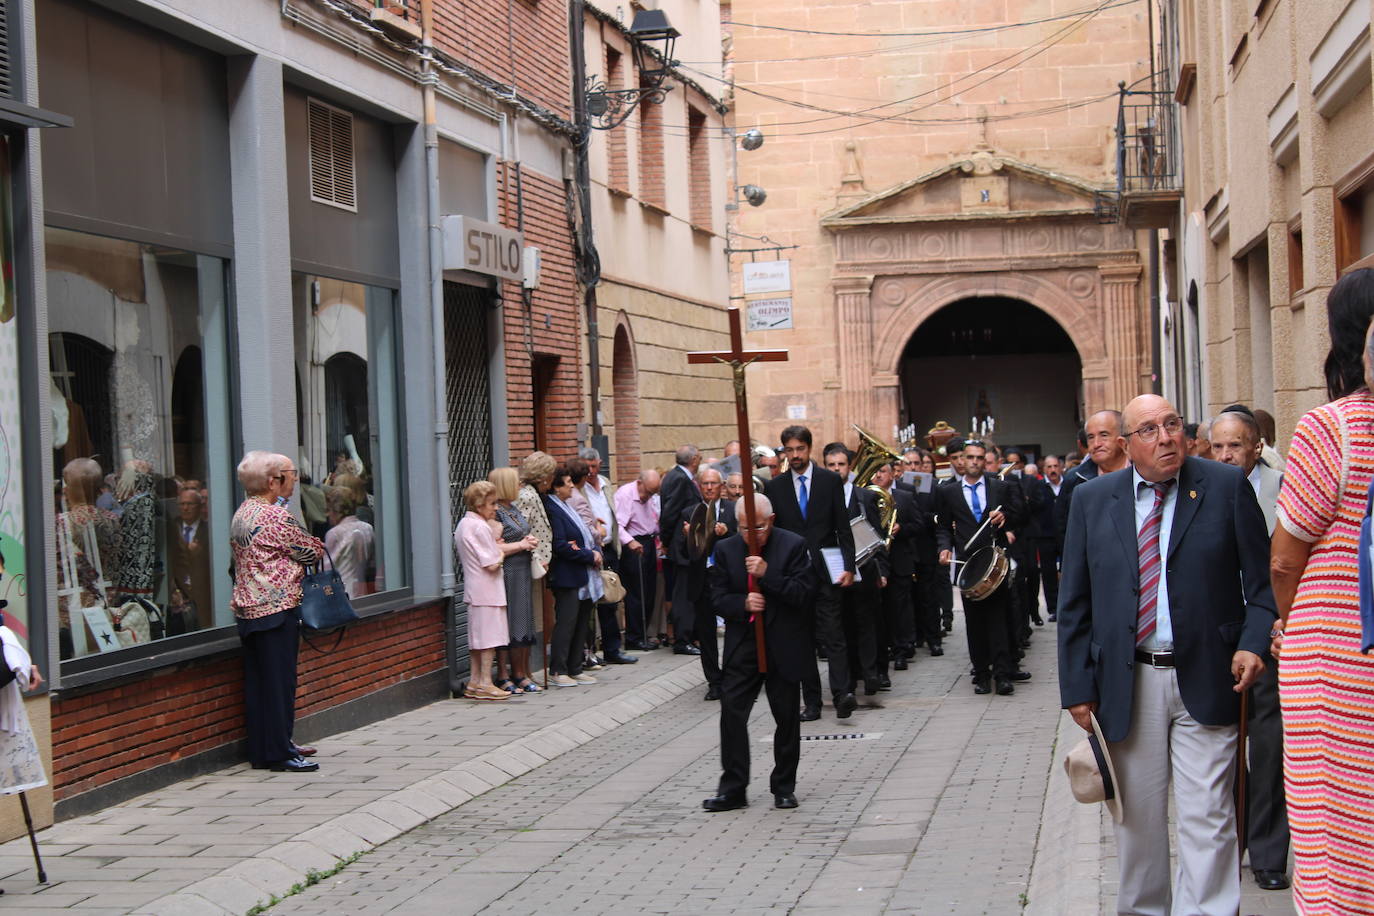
(1066, 870)
(276, 870)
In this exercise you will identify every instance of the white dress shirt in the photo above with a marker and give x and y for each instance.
(1254, 478)
(601, 507)
(797, 484)
(981, 487)
(1162, 639)
(1056, 486)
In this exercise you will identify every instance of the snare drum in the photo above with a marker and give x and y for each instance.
(983, 573)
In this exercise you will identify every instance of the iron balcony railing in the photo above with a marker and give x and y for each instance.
(1147, 142)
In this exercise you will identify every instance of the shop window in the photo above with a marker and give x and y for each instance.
(140, 399)
(350, 439)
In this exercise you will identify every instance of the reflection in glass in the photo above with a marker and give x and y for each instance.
(346, 390)
(131, 327)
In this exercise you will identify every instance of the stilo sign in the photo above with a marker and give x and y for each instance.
(483, 248)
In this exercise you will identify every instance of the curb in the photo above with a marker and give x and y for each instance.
(1066, 870)
(274, 871)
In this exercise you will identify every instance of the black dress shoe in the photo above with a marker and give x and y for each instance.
(810, 713)
(899, 663)
(1270, 879)
(620, 659)
(713, 693)
(981, 687)
(786, 800)
(1020, 676)
(936, 650)
(1005, 687)
(1037, 621)
(845, 706)
(294, 765)
(1053, 617)
(686, 650)
(884, 682)
(871, 688)
(725, 803)
(643, 645)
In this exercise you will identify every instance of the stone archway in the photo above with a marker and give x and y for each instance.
(625, 402)
(994, 356)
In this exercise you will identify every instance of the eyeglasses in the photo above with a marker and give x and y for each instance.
(1149, 432)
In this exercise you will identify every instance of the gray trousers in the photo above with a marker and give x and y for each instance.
(1166, 744)
(1266, 821)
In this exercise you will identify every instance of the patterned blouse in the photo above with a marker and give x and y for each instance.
(271, 550)
(528, 503)
(88, 541)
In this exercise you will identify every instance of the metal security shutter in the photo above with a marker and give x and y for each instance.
(6, 75)
(469, 421)
(333, 175)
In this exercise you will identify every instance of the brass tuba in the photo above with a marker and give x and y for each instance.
(874, 453)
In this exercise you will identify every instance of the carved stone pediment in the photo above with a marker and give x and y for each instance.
(983, 185)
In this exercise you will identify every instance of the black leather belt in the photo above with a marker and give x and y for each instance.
(1155, 659)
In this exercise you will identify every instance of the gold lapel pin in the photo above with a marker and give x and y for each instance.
(1192, 494)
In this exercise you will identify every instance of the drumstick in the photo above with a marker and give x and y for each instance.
(987, 520)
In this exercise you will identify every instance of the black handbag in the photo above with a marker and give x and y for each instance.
(324, 600)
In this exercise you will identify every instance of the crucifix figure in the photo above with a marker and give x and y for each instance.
(738, 359)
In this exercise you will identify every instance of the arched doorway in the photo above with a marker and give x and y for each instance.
(997, 356)
(625, 401)
(188, 416)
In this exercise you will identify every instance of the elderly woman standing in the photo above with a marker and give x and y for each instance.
(518, 544)
(576, 582)
(271, 551)
(1326, 685)
(484, 588)
(536, 476)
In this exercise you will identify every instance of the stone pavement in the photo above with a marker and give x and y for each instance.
(928, 800)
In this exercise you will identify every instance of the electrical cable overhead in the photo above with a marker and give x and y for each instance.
(933, 33)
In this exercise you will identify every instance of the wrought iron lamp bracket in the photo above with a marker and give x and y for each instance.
(609, 108)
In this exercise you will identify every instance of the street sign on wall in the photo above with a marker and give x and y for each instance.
(483, 248)
(770, 314)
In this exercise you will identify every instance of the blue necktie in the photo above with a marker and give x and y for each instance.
(977, 507)
(801, 495)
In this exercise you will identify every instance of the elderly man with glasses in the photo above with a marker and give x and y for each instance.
(1165, 612)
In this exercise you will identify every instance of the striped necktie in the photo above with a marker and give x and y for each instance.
(1151, 567)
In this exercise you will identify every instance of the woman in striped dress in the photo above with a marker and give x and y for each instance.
(1326, 686)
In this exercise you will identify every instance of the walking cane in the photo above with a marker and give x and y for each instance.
(548, 632)
(33, 840)
(1241, 800)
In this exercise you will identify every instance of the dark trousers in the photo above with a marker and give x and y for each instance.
(684, 608)
(986, 621)
(830, 634)
(606, 613)
(1049, 572)
(739, 687)
(704, 630)
(639, 575)
(269, 687)
(944, 591)
(1267, 808)
(1015, 619)
(925, 600)
(899, 612)
(864, 628)
(1028, 578)
(570, 618)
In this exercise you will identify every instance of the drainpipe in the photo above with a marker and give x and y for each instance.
(589, 267)
(435, 233)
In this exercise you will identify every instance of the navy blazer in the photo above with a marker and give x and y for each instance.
(1220, 601)
(827, 518)
(678, 492)
(789, 591)
(571, 557)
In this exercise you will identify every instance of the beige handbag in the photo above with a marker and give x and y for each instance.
(615, 590)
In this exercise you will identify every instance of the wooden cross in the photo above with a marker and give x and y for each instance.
(738, 359)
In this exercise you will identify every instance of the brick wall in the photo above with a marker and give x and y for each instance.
(524, 43)
(699, 169)
(107, 734)
(617, 157)
(625, 387)
(554, 327)
(651, 182)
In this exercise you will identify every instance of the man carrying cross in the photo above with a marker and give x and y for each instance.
(783, 588)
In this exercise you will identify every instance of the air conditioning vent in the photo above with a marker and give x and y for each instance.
(333, 179)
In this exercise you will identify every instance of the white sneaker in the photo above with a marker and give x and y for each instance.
(584, 679)
(562, 680)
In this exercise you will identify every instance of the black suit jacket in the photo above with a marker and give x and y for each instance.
(789, 590)
(696, 569)
(912, 525)
(1217, 567)
(1081, 473)
(863, 502)
(1043, 511)
(827, 520)
(956, 521)
(678, 494)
